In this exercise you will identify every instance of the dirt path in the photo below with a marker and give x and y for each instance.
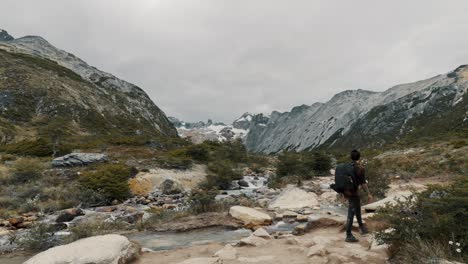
(285, 250)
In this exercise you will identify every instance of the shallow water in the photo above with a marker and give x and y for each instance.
(15, 258)
(171, 240)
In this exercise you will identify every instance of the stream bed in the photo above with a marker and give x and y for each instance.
(175, 240)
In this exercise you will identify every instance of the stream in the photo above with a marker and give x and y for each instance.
(175, 240)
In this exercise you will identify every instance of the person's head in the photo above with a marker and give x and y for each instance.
(355, 155)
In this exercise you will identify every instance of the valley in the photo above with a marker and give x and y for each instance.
(93, 171)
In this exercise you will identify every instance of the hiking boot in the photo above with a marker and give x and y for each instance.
(363, 230)
(351, 238)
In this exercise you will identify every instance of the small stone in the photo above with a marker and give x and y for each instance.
(16, 220)
(317, 250)
(278, 216)
(227, 253)
(289, 214)
(252, 241)
(261, 232)
(300, 229)
(302, 218)
(291, 241)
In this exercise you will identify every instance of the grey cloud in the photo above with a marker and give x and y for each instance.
(218, 58)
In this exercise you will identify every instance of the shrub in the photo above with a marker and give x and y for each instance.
(202, 201)
(39, 148)
(220, 175)
(199, 152)
(377, 179)
(26, 169)
(170, 162)
(436, 216)
(140, 186)
(305, 164)
(289, 163)
(110, 180)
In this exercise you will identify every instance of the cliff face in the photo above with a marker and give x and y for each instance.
(364, 118)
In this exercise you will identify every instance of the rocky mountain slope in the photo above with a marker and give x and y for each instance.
(363, 118)
(201, 131)
(40, 82)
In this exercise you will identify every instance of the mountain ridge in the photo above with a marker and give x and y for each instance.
(308, 127)
(31, 65)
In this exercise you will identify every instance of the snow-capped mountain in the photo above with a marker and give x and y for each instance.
(201, 131)
(358, 118)
(42, 80)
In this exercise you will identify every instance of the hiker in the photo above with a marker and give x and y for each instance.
(348, 178)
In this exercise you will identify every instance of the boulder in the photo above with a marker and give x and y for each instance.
(79, 159)
(226, 253)
(328, 197)
(249, 216)
(69, 215)
(391, 199)
(107, 249)
(243, 183)
(294, 198)
(169, 186)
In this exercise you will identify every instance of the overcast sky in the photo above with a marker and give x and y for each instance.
(218, 58)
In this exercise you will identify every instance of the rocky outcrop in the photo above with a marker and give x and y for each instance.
(294, 198)
(4, 36)
(249, 216)
(79, 159)
(107, 249)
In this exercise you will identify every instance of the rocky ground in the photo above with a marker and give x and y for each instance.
(292, 225)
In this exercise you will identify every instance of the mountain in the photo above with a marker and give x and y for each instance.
(201, 131)
(40, 82)
(359, 118)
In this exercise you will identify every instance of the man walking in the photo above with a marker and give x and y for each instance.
(356, 172)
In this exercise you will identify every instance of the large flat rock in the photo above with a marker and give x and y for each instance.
(249, 216)
(294, 198)
(106, 249)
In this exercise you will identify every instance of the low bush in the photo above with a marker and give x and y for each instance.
(94, 228)
(26, 169)
(304, 164)
(198, 152)
(140, 186)
(171, 162)
(109, 180)
(378, 180)
(428, 219)
(39, 148)
(220, 175)
(202, 201)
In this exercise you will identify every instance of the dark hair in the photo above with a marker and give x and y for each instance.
(355, 155)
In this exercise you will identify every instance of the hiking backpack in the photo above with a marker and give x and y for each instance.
(345, 178)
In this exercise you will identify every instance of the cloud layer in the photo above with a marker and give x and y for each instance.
(218, 59)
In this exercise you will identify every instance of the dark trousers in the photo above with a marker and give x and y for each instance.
(354, 208)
